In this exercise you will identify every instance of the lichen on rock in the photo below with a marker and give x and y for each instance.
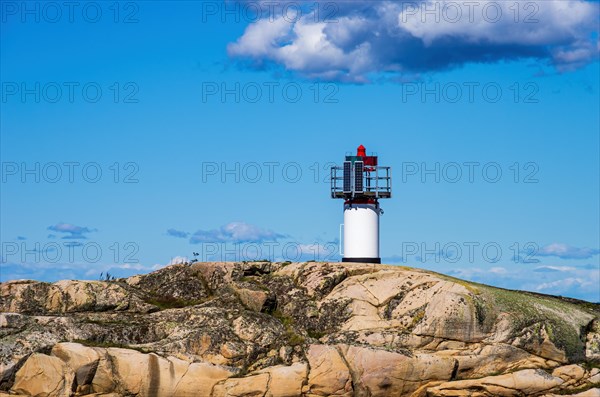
(293, 329)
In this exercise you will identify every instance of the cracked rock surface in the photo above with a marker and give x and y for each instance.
(293, 329)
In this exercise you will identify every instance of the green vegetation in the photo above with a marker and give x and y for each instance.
(418, 316)
(293, 338)
(577, 390)
(315, 334)
(287, 321)
(290, 334)
(254, 280)
(480, 310)
(529, 310)
(560, 317)
(472, 287)
(485, 312)
(589, 365)
(169, 302)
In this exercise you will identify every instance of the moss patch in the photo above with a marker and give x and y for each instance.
(562, 320)
(169, 302)
(291, 335)
(578, 390)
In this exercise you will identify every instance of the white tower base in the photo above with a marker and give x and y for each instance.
(361, 233)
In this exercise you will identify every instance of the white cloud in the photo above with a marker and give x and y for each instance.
(177, 233)
(259, 38)
(315, 251)
(177, 260)
(563, 284)
(565, 251)
(554, 269)
(71, 231)
(235, 232)
(387, 36)
(490, 21)
(76, 270)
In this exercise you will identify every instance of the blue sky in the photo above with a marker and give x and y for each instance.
(131, 138)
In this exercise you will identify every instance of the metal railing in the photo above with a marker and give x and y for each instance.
(377, 183)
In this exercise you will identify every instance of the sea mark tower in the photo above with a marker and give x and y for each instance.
(361, 183)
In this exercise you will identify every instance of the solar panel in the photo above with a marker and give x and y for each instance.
(347, 177)
(358, 176)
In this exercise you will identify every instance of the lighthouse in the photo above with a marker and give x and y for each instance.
(361, 182)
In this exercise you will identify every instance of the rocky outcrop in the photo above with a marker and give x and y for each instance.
(293, 329)
(529, 382)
